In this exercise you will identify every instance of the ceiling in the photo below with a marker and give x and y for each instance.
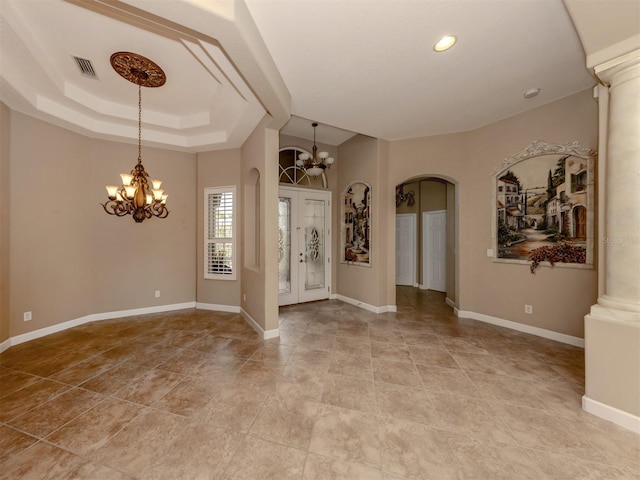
(353, 66)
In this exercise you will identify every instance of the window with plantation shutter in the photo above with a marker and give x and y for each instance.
(219, 233)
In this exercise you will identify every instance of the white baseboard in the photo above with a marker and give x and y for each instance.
(218, 308)
(521, 327)
(611, 414)
(264, 334)
(450, 302)
(59, 327)
(366, 306)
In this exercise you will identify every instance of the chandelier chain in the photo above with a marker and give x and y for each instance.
(139, 124)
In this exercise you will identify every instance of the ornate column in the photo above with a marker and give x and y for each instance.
(612, 329)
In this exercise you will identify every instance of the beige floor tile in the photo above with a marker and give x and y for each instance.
(559, 467)
(396, 372)
(415, 451)
(352, 346)
(42, 462)
(405, 403)
(114, 379)
(386, 336)
(273, 354)
(185, 362)
(349, 392)
(23, 400)
(287, 421)
(420, 339)
(300, 382)
(470, 416)
(537, 429)
(187, 397)
(83, 371)
(447, 380)
(318, 467)
(351, 365)
(391, 351)
(434, 357)
(234, 407)
(200, 451)
(12, 380)
(346, 435)
(317, 341)
(149, 387)
(94, 428)
(483, 460)
(256, 458)
(466, 400)
(13, 442)
(49, 416)
(141, 443)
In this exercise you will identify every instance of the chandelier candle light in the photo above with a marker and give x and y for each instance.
(135, 197)
(315, 164)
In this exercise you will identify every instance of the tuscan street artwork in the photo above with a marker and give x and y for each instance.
(356, 224)
(542, 210)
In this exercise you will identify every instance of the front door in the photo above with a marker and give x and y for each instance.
(304, 251)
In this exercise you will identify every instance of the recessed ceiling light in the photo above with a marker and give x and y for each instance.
(445, 43)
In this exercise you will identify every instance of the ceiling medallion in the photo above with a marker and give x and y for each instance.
(138, 69)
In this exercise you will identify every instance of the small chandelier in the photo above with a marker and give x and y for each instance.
(315, 164)
(135, 198)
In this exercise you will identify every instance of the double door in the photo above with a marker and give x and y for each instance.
(304, 249)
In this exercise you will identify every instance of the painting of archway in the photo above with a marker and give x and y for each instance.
(544, 202)
(356, 224)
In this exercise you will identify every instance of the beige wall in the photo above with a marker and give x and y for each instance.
(260, 152)
(218, 169)
(5, 138)
(69, 259)
(365, 159)
(560, 296)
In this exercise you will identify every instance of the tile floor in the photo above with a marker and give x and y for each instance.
(342, 394)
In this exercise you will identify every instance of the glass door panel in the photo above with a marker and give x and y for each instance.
(304, 219)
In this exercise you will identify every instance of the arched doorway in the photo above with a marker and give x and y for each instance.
(432, 203)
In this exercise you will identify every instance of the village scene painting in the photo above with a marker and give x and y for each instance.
(542, 210)
(356, 226)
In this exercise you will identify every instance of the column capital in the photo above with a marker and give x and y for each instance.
(620, 69)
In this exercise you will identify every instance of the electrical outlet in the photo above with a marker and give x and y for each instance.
(157, 293)
(244, 297)
(27, 316)
(528, 309)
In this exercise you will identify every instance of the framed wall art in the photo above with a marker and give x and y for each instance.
(356, 224)
(543, 206)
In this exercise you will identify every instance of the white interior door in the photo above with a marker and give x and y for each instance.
(305, 248)
(434, 235)
(406, 249)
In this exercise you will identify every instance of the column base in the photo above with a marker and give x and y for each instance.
(612, 366)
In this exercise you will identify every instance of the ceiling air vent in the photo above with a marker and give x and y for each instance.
(85, 66)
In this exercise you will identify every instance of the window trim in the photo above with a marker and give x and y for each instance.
(234, 233)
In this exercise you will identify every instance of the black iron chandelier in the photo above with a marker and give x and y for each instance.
(315, 164)
(136, 197)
